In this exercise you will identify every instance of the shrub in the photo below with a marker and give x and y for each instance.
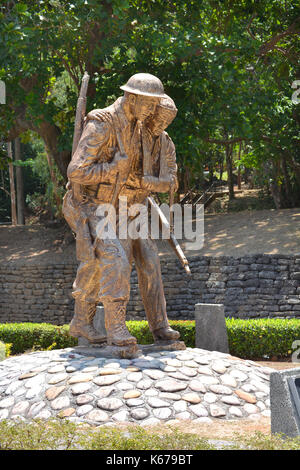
(141, 331)
(25, 336)
(263, 337)
(65, 435)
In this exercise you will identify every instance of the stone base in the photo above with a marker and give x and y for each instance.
(127, 352)
(160, 387)
(103, 350)
(162, 346)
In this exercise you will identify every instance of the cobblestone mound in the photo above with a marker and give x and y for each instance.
(194, 384)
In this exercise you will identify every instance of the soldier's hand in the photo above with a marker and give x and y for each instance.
(174, 183)
(157, 185)
(121, 162)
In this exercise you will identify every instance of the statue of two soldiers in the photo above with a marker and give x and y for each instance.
(123, 151)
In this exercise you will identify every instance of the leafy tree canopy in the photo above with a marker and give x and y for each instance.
(229, 66)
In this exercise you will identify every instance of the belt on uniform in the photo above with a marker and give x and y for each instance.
(104, 194)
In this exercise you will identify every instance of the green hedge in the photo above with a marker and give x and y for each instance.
(263, 337)
(248, 339)
(28, 336)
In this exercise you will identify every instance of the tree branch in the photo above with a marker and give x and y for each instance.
(226, 142)
(270, 45)
(249, 26)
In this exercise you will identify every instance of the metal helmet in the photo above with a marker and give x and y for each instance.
(145, 84)
(168, 103)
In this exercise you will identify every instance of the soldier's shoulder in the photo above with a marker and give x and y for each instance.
(92, 125)
(99, 115)
(166, 136)
(104, 114)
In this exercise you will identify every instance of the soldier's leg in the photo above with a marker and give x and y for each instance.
(151, 287)
(85, 294)
(114, 259)
(115, 264)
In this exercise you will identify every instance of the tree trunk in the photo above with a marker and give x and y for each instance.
(287, 184)
(54, 182)
(229, 149)
(211, 172)
(239, 169)
(275, 188)
(221, 169)
(20, 185)
(50, 135)
(186, 180)
(12, 186)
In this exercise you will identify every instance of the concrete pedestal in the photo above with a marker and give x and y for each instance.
(285, 402)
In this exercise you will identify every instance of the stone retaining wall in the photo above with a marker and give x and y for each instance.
(249, 286)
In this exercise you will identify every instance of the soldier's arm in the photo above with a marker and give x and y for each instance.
(170, 157)
(168, 169)
(85, 167)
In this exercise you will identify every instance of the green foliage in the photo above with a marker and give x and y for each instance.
(140, 330)
(5, 350)
(260, 441)
(64, 435)
(8, 348)
(228, 65)
(44, 198)
(27, 336)
(263, 337)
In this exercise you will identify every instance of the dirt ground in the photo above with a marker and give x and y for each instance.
(230, 234)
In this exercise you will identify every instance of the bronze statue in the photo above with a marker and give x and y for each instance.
(123, 151)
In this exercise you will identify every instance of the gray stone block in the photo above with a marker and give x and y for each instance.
(99, 325)
(285, 411)
(211, 332)
(99, 320)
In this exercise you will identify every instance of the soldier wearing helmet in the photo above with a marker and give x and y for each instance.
(111, 150)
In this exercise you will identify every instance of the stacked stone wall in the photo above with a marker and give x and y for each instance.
(248, 286)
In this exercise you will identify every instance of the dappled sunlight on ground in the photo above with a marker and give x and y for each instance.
(225, 234)
(245, 232)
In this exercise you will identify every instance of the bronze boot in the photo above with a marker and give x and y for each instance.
(165, 334)
(82, 322)
(117, 332)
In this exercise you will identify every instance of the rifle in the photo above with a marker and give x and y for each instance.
(172, 240)
(78, 126)
(80, 111)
